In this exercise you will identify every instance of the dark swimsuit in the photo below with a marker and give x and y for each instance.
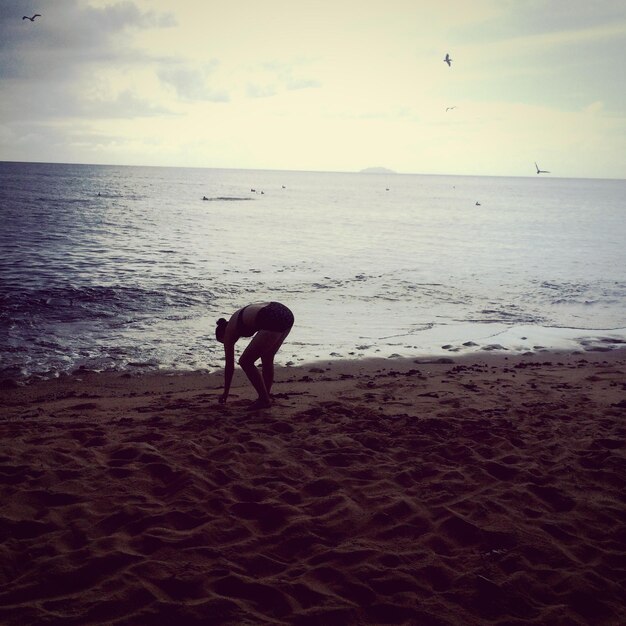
(273, 316)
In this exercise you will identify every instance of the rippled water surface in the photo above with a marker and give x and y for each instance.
(105, 266)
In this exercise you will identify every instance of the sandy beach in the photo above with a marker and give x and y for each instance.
(479, 490)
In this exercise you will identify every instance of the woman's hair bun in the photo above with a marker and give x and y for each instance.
(220, 329)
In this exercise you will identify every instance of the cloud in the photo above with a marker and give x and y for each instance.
(553, 39)
(594, 107)
(545, 20)
(261, 91)
(125, 105)
(106, 97)
(277, 78)
(70, 35)
(77, 61)
(294, 84)
(191, 82)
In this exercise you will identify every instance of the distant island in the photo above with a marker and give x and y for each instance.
(376, 170)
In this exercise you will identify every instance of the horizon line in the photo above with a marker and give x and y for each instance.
(388, 171)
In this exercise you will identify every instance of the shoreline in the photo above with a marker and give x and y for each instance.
(602, 348)
(477, 488)
(462, 338)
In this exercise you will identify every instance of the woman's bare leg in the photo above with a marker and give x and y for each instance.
(257, 381)
(267, 361)
(264, 346)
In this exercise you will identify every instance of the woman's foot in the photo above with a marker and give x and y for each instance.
(259, 403)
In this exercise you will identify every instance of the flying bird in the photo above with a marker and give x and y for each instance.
(450, 108)
(448, 60)
(32, 19)
(540, 171)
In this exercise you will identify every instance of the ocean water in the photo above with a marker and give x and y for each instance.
(106, 267)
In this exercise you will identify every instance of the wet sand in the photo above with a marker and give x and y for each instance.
(476, 490)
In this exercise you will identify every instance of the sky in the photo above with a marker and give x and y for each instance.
(323, 85)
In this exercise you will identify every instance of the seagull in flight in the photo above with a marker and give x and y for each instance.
(448, 60)
(540, 171)
(450, 108)
(32, 19)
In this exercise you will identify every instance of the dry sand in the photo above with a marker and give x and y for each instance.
(485, 490)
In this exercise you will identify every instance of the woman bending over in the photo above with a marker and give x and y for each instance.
(270, 323)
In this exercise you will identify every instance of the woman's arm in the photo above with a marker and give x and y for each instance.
(230, 338)
(229, 368)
